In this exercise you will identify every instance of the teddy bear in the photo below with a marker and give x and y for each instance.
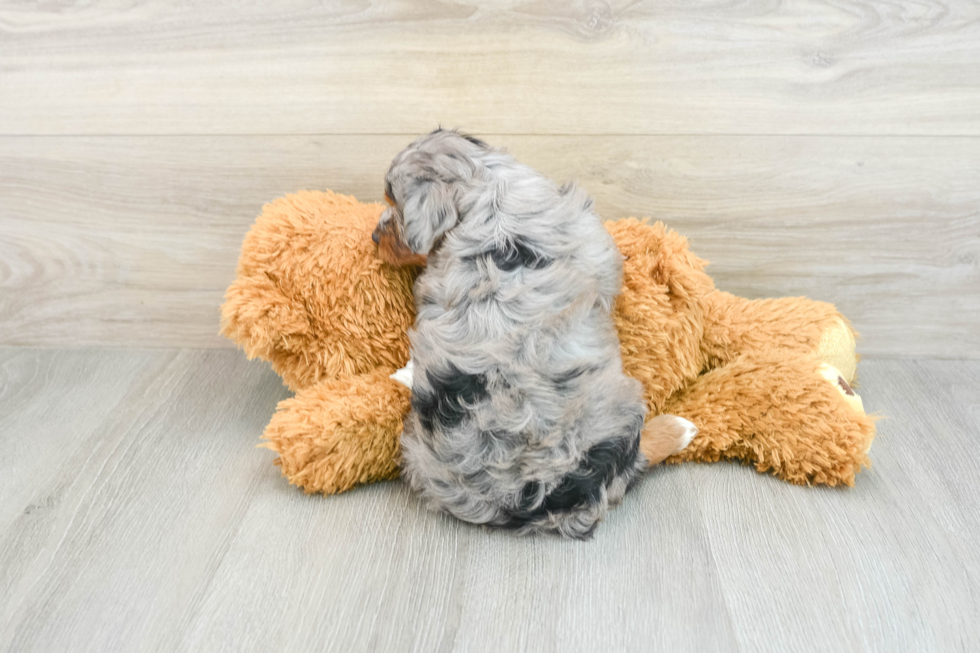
(767, 382)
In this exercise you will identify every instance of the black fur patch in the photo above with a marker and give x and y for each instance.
(600, 465)
(453, 392)
(474, 140)
(517, 254)
(562, 380)
(529, 493)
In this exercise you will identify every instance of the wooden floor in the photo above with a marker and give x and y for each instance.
(135, 514)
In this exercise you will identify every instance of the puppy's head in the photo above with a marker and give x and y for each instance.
(422, 188)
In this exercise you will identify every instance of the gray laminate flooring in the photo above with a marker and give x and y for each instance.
(136, 514)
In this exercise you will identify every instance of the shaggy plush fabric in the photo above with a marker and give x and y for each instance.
(767, 382)
(311, 296)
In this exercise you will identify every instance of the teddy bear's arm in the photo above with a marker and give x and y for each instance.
(340, 433)
(781, 413)
(269, 325)
(735, 326)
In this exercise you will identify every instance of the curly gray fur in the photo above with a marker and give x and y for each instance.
(521, 414)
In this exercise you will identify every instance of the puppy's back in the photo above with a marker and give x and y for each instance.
(522, 417)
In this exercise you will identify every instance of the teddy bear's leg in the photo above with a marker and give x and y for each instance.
(735, 326)
(793, 415)
(269, 325)
(340, 433)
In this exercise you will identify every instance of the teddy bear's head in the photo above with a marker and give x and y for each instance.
(312, 297)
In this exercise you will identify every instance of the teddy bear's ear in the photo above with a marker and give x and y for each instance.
(428, 213)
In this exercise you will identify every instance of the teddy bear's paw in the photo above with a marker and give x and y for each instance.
(851, 398)
(837, 349)
(666, 435)
(836, 377)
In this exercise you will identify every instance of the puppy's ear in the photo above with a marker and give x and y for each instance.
(429, 212)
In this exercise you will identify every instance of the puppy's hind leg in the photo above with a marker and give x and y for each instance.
(665, 435)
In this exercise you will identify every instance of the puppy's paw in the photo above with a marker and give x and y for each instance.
(689, 431)
(665, 435)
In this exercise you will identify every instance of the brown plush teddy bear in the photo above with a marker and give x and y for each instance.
(766, 381)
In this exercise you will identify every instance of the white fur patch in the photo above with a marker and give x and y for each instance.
(690, 430)
(405, 375)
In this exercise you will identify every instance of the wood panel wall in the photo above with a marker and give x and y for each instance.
(825, 149)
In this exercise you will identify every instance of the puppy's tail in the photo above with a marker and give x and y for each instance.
(665, 435)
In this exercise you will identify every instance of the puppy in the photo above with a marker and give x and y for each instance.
(522, 417)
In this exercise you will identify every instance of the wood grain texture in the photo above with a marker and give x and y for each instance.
(538, 66)
(155, 525)
(131, 241)
(129, 474)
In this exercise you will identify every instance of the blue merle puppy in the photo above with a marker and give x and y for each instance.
(522, 417)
